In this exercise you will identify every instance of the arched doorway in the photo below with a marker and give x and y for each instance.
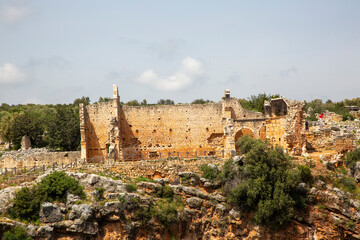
(243, 132)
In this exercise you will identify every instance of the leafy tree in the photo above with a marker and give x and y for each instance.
(200, 101)
(266, 184)
(105, 99)
(165, 102)
(63, 128)
(133, 103)
(14, 126)
(84, 100)
(144, 102)
(256, 102)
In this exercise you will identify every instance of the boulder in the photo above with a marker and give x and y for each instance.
(71, 199)
(50, 213)
(6, 195)
(194, 202)
(83, 211)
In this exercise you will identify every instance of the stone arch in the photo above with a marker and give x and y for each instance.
(243, 132)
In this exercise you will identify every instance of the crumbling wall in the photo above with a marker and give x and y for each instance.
(36, 157)
(285, 124)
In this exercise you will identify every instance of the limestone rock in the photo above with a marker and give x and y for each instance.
(71, 199)
(83, 211)
(50, 213)
(6, 195)
(194, 202)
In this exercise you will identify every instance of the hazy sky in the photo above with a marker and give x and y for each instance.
(56, 51)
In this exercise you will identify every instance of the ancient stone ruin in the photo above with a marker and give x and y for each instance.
(121, 132)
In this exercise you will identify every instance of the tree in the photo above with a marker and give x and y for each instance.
(63, 128)
(200, 101)
(105, 99)
(15, 126)
(83, 100)
(165, 102)
(266, 184)
(133, 103)
(256, 102)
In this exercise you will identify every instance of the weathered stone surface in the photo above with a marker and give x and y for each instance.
(194, 202)
(71, 199)
(357, 172)
(6, 195)
(50, 213)
(83, 211)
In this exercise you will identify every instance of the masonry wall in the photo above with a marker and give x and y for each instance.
(97, 123)
(177, 128)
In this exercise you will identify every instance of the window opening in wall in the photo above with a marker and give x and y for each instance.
(130, 125)
(154, 131)
(137, 131)
(279, 139)
(157, 145)
(159, 118)
(170, 130)
(207, 129)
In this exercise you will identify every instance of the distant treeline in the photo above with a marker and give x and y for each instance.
(58, 126)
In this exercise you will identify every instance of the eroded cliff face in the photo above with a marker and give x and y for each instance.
(198, 209)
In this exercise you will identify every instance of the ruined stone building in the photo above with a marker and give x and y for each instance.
(109, 129)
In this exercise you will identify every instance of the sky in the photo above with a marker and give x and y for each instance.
(56, 51)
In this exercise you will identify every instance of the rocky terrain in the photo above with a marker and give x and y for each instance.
(118, 207)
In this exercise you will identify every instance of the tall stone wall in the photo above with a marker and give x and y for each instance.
(129, 132)
(179, 128)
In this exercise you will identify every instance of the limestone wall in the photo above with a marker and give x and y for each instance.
(35, 157)
(155, 129)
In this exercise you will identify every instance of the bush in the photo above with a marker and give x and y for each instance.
(209, 172)
(305, 174)
(131, 187)
(100, 193)
(17, 233)
(53, 187)
(165, 192)
(166, 212)
(267, 184)
(27, 204)
(56, 184)
(352, 157)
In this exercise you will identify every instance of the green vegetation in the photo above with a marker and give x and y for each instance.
(209, 172)
(165, 102)
(338, 107)
(144, 179)
(53, 187)
(200, 101)
(100, 192)
(17, 233)
(266, 184)
(165, 192)
(256, 102)
(352, 157)
(53, 126)
(305, 174)
(167, 212)
(131, 187)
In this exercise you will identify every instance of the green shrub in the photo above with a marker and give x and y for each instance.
(305, 174)
(27, 201)
(266, 184)
(209, 172)
(144, 179)
(131, 187)
(166, 212)
(348, 116)
(56, 184)
(17, 233)
(312, 117)
(101, 192)
(352, 157)
(165, 192)
(26, 204)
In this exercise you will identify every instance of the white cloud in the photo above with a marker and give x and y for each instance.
(13, 12)
(185, 76)
(9, 74)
